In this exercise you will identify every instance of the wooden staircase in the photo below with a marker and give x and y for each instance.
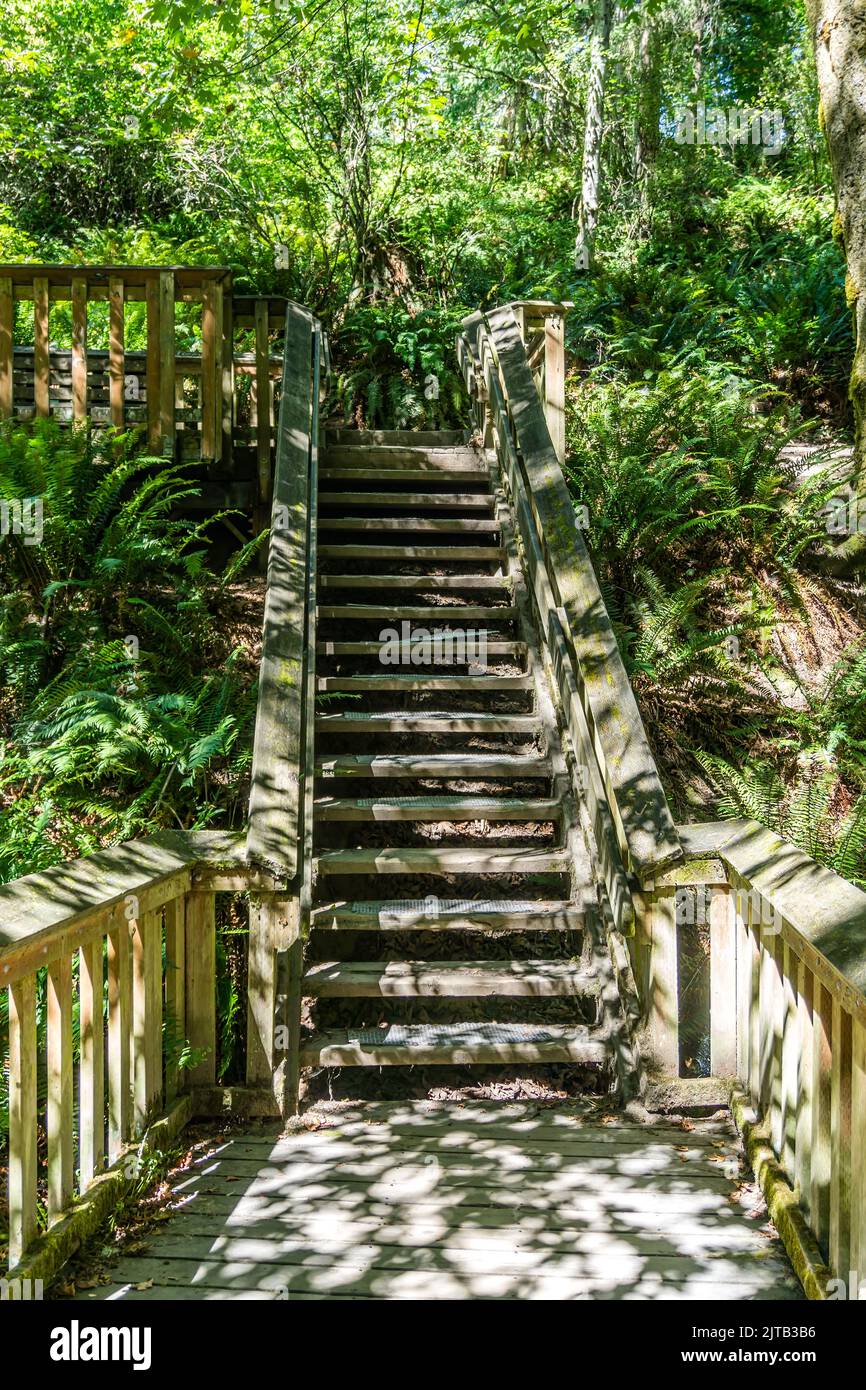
(450, 861)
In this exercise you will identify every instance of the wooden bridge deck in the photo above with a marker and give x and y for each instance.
(416, 1200)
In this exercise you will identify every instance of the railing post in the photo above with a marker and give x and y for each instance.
(166, 361)
(554, 380)
(656, 930)
(272, 1026)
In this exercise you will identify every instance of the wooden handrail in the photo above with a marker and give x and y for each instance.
(278, 750)
(787, 1009)
(280, 815)
(624, 784)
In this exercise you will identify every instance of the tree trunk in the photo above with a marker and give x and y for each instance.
(593, 138)
(839, 33)
(646, 131)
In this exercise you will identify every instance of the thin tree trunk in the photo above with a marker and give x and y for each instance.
(646, 132)
(593, 139)
(839, 33)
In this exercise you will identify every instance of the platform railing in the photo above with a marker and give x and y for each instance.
(787, 1017)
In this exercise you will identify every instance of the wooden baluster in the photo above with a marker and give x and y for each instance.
(116, 357)
(744, 986)
(790, 1054)
(723, 984)
(119, 1020)
(201, 984)
(263, 409)
(79, 348)
(805, 1088)
(167, 365)
(154, 366)
(22, 1116)
(858, 1153)
(146, 952)
(211, 368)
(41, 354)
(91, 1087)
(175, 988)
(755, 1000)
(60, 1155)
(663, 1023)
(819, 1206)
(227, 415)
(840, 1142)
(770, 1095)
(7, 347)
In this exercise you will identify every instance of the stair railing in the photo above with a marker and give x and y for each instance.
(786, 936)
(279, 838)
(613, 768)
(787, 1026)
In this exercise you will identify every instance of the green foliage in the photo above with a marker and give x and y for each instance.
(122, 709)
(398, 369)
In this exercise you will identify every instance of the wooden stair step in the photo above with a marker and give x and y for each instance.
(495, 647)
(466, 859)
(388, 456)
(354, 473)
(445, 525)
(470, 501)
(449, 979)
(441, 765)
(451, 914)
(425, 722)
(416, 439)
(409, 684)
(455, 1044)
(485, 553)
(436, 808)
(431, 583)
(377, 612)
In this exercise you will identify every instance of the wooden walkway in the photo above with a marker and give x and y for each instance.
(418, 1200)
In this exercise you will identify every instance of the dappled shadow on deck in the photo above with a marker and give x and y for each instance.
(425, 1201)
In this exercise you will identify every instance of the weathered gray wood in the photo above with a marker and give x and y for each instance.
(200, 961)
(451, 915)
(476, 859)
(424, 722)
(437, 808)
(44, 914)
(22, 1116)
(454, 1044)
(460, 501)
(443, 617)
(493, 647)
(431, 583)
(405, 475)
(442, 765)
(411, 552)
(410, 684)
(358, 1211)
(91, 1097)
(59, 1113)
(448, 979)
(437, 524)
